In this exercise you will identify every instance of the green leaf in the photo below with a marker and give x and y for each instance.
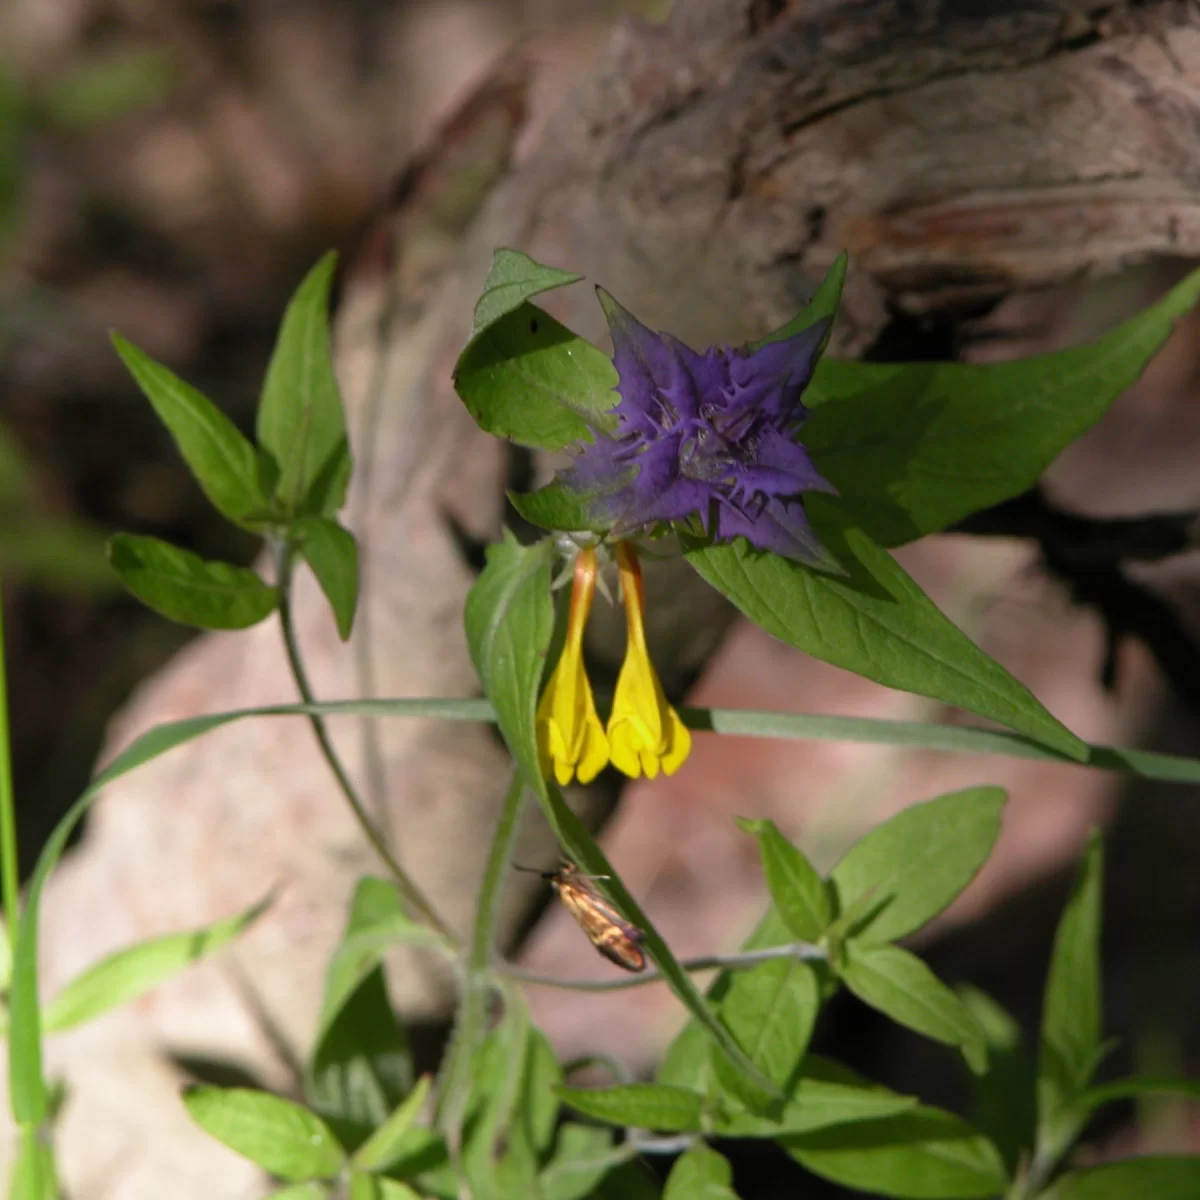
(1059, 1132)
(131, 972)
(328, 491)
(364, 1186)
(826, 1093)
(513, 1107)
(517, 1169)
(514, 278)
(186, 588)
(539, 1107)
(700, 1174)
(925, 1154)
(510, 619)
(528, 378)
(1004, 1096)
(914, 447)
(690, 1061)
(332, 552)
(557, 507)
(301, 1191)
(583, 1156)
(224, 462)
(281, 1137)
(1134, 1086)
(392, 1189)
(687, 1062)
(1154, 1177)
(360, 1067)
(917, 862)
(1070, 1040)
(796, 889)
(422, 1154)
(648, 1105)
(384, 1147)
(770, 1009)
(823, 303)
(300, 413)
(630, 1181)
(873, 621)
(377, 922)
(493, 1107)
(899, 985)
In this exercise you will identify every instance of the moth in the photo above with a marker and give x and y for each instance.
(615, 938)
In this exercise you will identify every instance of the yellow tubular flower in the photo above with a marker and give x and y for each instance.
(570, 737)
(644, 731)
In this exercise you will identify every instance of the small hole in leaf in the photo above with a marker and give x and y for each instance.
(533, 325)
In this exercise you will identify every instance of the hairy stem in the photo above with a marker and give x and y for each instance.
(1030, 1185)
(479, 981)
(803, 951)
(10, 884)
(410, 893)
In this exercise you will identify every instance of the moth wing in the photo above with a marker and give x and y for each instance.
(607, 930)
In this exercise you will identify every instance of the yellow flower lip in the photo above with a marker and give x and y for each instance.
(645, 734)
(571, 740)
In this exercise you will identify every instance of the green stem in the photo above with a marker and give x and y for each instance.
(407, 888)
(10, 879)
(802, 951)
(471, 1024)
(1029, 1185)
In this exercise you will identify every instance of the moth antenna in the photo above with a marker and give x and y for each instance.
(533, 870)
(569, 868)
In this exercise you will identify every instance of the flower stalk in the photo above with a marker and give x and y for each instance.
(409, 891)
(800, 951)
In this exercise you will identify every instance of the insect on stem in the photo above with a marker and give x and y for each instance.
(615, 938)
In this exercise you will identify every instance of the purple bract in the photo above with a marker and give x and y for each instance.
(711, 436)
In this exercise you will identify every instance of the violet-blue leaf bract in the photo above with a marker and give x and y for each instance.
(708, 438)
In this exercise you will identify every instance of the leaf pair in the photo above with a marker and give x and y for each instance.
(290, 486)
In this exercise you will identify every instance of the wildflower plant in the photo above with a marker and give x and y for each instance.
(783, 476)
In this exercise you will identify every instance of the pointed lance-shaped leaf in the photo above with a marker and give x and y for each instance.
(186, 588)
(300, 418)
(223, 462)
